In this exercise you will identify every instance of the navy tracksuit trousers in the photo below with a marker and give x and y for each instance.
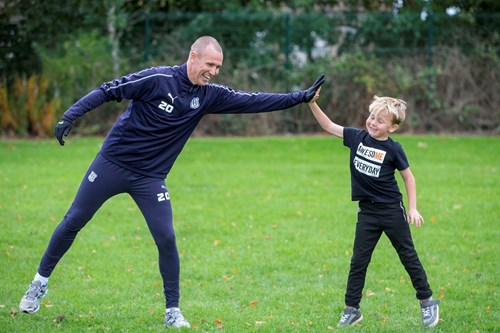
(103, 180)
(373, 220)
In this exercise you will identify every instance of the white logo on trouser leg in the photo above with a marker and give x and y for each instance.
(92, 176)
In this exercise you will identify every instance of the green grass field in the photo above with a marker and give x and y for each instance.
(264, 228)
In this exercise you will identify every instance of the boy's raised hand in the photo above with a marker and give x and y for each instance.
(315, 97)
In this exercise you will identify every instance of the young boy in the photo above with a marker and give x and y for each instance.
(373, 159)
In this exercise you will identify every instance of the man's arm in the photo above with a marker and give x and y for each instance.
(228, 100)
(136, 85)
(89, 102)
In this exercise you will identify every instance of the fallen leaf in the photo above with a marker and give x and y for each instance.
(218, 321)
(441, 293)
(421, 145)
(58, 319)
(253, 303)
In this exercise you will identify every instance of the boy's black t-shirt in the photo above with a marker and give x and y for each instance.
(372, 164)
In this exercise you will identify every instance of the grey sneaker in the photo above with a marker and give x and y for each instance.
(174, 318)
(350, 316)
(30, 303)
(430, 312)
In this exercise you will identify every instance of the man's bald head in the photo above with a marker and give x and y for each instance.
(205, 41)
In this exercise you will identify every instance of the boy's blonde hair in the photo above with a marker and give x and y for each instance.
(394, 106)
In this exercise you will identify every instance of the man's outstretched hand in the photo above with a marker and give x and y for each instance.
(312, 90)
(63, 127)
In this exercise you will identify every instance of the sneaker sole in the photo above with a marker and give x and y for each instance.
(357, 321)
(27, 311)
(353, 323)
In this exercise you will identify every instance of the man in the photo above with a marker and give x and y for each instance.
(166, 104)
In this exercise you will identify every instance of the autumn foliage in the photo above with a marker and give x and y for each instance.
(28, 107)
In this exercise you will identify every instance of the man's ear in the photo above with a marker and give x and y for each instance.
(193, 55)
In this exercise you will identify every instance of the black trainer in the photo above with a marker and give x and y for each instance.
(350, 316)
(430, 312)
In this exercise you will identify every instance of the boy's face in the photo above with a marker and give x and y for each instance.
(380, 125)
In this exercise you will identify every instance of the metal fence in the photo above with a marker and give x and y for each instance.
(265, 36)
(284, 51)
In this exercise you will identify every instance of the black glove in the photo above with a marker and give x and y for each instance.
(63, 127)
(312, 90)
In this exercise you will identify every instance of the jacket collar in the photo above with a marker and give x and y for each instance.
(185, 84)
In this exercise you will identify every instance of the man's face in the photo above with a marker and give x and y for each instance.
(203, 66)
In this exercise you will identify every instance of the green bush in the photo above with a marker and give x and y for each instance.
(82, 64)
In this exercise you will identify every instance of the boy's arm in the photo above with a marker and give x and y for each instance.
(323, 119)
(411, 191)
